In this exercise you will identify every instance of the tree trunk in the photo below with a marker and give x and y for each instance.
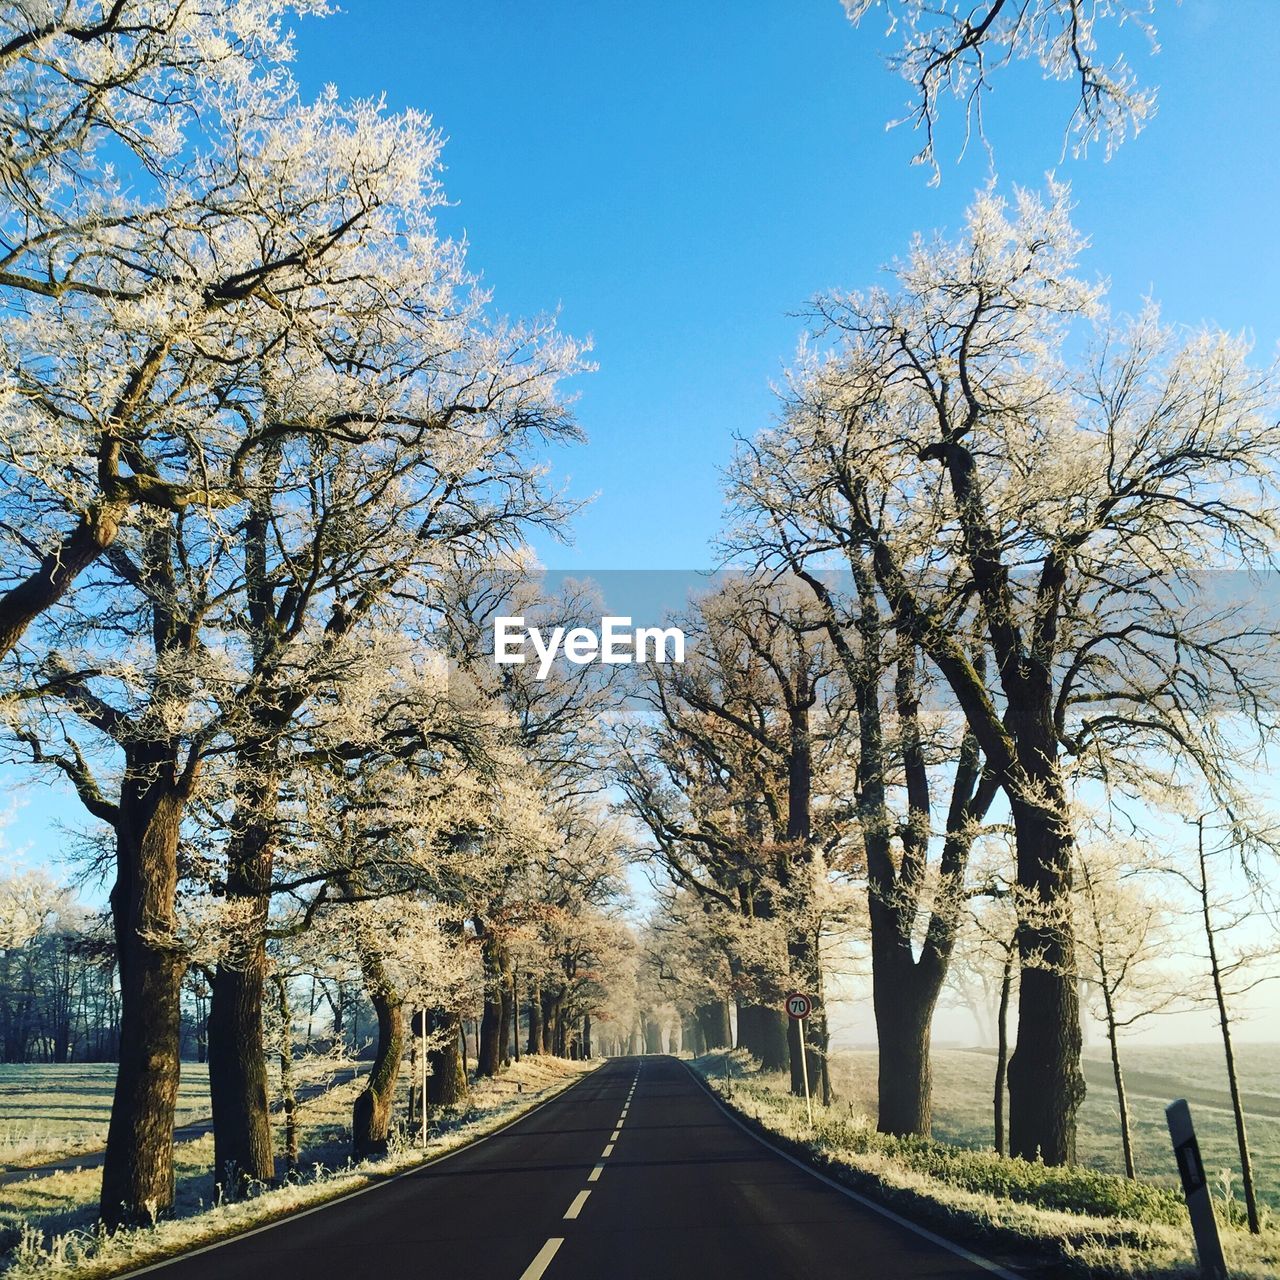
(489, 1053)
(137, 1172)
(762, 1032)
(288, 1098)
(550, 1004)
(905, 1079)
(1002, 1049)
(713, 1021)
(1122, 1100)
(447, 1085)
(1224, 1022)
(238, 1092)
(652, 1036)
(506, 1016)
(586, 1035)
(238, 1077)
(372, 1109)
(1046, 1086)
(237, 1061)
(535, 1018)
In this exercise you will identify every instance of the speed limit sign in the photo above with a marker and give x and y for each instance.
(799, 1005)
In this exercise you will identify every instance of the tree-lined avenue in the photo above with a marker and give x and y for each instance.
(633, 1173)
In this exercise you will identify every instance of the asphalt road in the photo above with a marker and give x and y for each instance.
(633, 1174)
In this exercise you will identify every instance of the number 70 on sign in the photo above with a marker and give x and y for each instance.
(799, 1005)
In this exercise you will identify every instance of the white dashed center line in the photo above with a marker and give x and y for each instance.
(594, 1175)
(542, 1260)
(607, 1152)
(576, 1207)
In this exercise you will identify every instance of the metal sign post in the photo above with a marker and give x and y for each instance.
(799, 1007)
(1213, 1266)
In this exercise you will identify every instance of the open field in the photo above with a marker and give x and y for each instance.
(962, 1106)
(48, 1111)
(1063, 1222)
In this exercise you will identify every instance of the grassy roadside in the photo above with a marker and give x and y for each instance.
(1074, 1222)
(50, 1223)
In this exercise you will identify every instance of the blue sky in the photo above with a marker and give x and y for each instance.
(679, 178)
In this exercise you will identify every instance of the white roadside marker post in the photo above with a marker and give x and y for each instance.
(1213, 1266)
(799, 1007)
(419, 1027)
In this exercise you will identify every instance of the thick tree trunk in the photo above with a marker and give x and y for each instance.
(489, 1053)
(652, 1036)
(535, 1018)
(238, 1090)
(506, 1017)
(371, 1112)
(905, 1078)
(586, 1035)
(762, 1032)
(447, 1085)
(137, 1173)
(550, 1006)
(238, 1077)
(713, 1021)
(1046, 1086)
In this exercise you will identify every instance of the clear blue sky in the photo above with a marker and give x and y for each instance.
(679, 177)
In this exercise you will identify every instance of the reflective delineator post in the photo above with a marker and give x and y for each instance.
(418, 1025)
(1213, 1266)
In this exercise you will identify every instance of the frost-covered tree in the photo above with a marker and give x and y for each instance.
(950, 49)
(1058, 510)
(361, 413)
(1125, 945)
(150, 230)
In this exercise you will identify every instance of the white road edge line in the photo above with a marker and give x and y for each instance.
(576, 1207)
(958, 1249)
(359, 1191)
(542, 1259)
(594, 1175)
(607, 1152)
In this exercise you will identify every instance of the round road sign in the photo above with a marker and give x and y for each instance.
(799, 1005)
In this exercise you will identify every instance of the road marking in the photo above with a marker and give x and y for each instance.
(594, 1175)
(576, 1207)
(615, 1135)
(542, 1259)
(607, 1152)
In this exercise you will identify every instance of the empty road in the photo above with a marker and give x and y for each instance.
(633, 1174)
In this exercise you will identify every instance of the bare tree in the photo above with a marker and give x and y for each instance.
(942, 445)
(950, 50)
